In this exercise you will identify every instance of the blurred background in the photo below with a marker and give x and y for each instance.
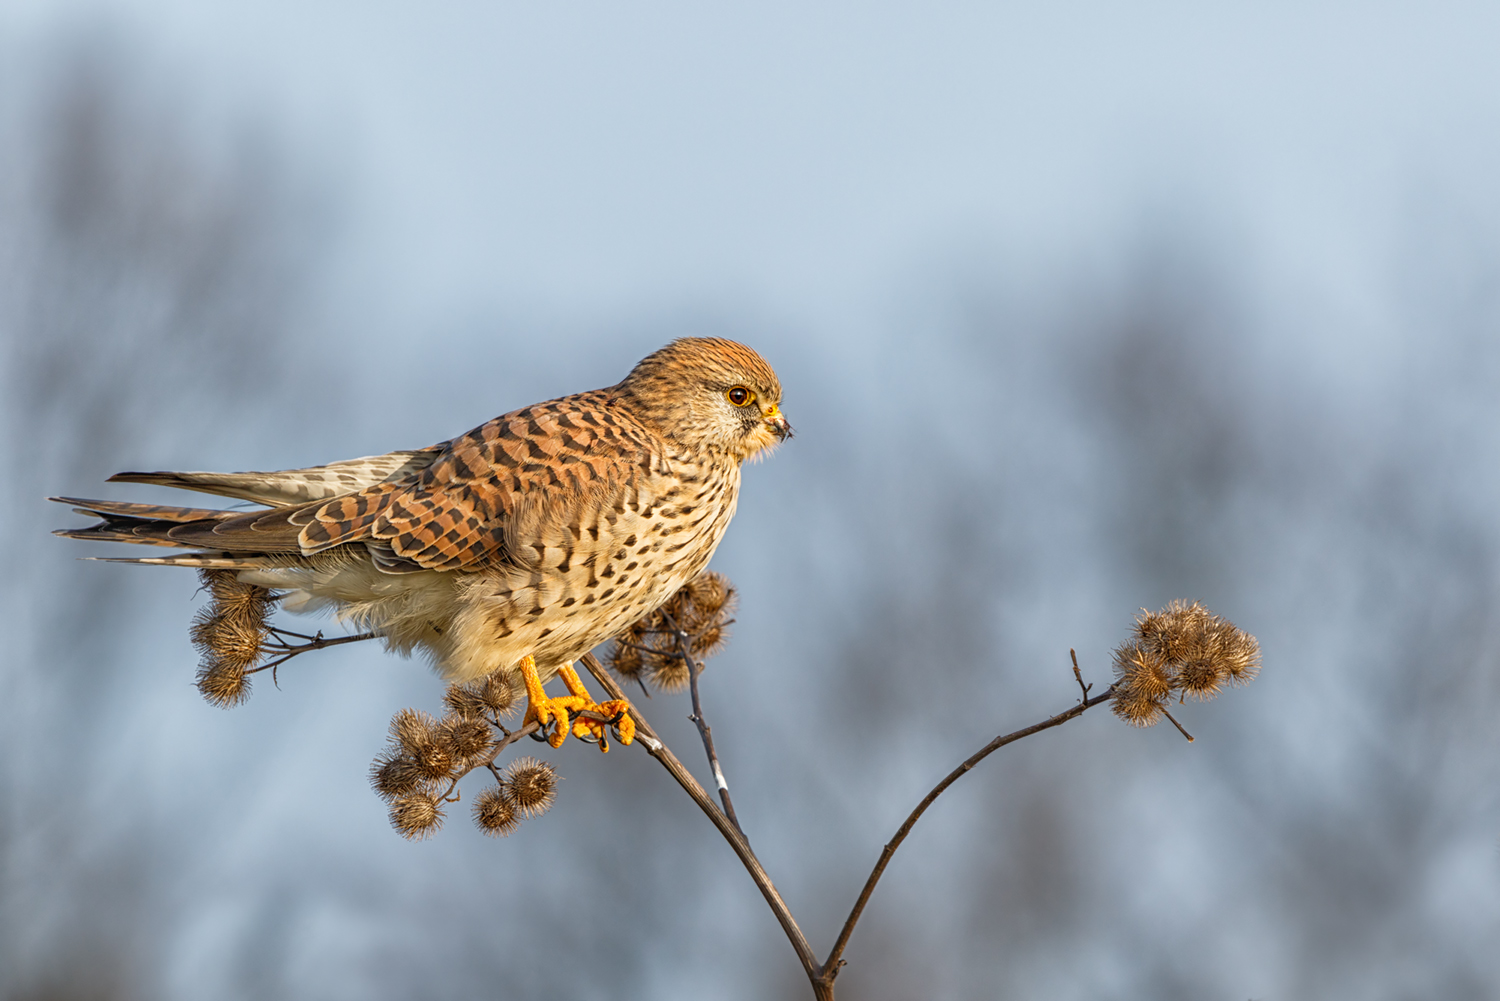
(1078, 307)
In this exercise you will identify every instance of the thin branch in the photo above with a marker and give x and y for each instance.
(1177, 724)
(654, 746)
(704, 730)
(1079, 674)
(830, 969)
(707, 733)
(821, 976)
(290, 650)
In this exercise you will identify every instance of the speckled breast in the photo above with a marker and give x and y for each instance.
(587, 573)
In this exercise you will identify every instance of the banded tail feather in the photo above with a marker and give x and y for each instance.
(288, 487)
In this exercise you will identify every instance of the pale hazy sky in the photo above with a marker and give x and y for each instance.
(595, 159)
(502, 170)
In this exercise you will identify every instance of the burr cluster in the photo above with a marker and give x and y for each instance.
(1183, 651)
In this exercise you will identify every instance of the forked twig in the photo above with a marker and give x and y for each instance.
(820, 975)
(1079, 674)
(285, 651)
(830, 969)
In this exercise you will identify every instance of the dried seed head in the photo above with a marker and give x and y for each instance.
(625, 656)
(395, 775)
(649, 647)
(495, 812)
(710, 592)
(223, 685)
(1238, 653)
(1136, 707)
(1143, 669)
(465, 701)
(670, 674)
(412, 729)
(465, 737)
(227, 639)
(709, 641)
(435, 761)
(499, 693)
(1175, 630)
(234, 597)
(418, 737)
(1199, 678)
(1185, 650)
(229, 633)
(531, 785)
(417, 815)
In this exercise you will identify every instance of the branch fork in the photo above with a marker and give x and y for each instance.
(821, 975)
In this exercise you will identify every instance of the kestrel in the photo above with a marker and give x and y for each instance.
(517, 547)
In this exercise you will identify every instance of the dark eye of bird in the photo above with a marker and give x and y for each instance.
(740, 396)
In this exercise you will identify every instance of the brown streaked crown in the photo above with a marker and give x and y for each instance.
(680, 391)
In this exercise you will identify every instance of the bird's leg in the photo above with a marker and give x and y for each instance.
(543, 709)
(617, 709)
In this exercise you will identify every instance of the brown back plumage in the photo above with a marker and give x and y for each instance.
(556, 454)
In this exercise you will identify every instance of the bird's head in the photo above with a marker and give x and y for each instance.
(707, 392)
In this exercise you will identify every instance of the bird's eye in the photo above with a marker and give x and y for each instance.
(740, 396)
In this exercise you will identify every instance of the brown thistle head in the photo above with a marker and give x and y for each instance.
(417, 815)
(531, 785)
(495, 812)
(1183, 651)
(393, 774)
(465, 738)
(494, 695)
(649, 649)
(229, 632)
(418, 737)
(425, 758)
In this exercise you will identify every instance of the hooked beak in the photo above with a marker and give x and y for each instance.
(778, 424)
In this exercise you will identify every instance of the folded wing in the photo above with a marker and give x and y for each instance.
(462, 505)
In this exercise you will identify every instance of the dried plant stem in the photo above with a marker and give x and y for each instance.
(1078, 675)
(285, 651)
(830, 969)
(704, 730)
(820, 975)
(654, 746)
(707, 733)
(1177, 725)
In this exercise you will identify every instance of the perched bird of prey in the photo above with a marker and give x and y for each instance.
(518, 546)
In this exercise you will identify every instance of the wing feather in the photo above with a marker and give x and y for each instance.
(465, 510)
(468, 503)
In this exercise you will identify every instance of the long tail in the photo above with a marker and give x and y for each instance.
(247, 539)
(153, 526)
(290, 487)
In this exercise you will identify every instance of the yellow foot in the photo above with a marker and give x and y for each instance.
(545, 710)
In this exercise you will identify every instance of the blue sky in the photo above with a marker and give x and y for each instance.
(597, 159)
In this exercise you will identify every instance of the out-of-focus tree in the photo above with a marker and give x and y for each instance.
(1002, 477)
(151, 276)
(1151, 437)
